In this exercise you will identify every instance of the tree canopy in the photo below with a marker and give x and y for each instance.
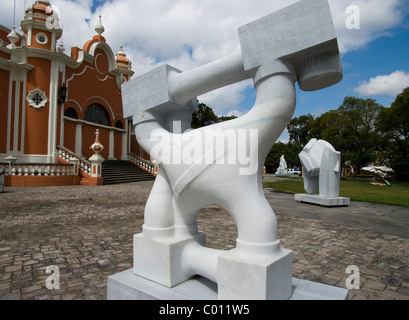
(393, 124)
(205, 117)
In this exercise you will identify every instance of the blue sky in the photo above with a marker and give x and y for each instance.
(190, 33)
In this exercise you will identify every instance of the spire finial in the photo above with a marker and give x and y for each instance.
(13, 38)
(99, 28)
(14, 15)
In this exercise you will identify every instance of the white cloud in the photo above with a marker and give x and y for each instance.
(223, 100)
(392, 84)
(285, 137)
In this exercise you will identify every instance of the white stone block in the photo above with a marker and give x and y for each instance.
(251, 277)
(302, 35)
(160, 260)
(147, 97)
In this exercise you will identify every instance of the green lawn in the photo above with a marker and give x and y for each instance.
(396, 194)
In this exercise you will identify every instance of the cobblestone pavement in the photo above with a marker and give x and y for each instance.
(87, 233)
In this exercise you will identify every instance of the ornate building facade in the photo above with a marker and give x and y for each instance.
(51, 103)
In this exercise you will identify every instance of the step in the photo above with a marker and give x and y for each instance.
(117, 172)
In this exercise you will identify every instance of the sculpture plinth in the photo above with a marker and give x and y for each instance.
(222, 164)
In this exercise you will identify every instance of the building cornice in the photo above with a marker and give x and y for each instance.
(94, 124)
(10, 65)
(39, 25)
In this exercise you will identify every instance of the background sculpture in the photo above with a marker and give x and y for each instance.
(282, 169)
(322, 170)
(381, 174)
(297, 43)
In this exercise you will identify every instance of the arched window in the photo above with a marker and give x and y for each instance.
(97, 114)
(119, 125)
(71, 113)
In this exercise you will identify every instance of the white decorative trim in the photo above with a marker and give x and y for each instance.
(87, 104)
(42, 38)
(27, 158)
(94, 124)
(108, 52)
(37, 99)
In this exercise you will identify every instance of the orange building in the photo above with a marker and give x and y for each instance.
(52, 104)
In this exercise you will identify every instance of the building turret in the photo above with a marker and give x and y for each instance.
(123, 64)
(41, 26)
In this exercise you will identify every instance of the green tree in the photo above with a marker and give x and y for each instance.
(393, 123)
(299, 130)
(203, 117)
(351, 130)
(226, 118)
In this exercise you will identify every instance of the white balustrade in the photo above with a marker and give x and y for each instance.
(145, 164)
(38, 169)
(71, 157)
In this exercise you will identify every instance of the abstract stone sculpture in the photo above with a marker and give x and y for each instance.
(203, 167)
(380, 174)
(322, 170)
(282, 169)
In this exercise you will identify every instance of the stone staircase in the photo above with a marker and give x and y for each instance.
(116, 172)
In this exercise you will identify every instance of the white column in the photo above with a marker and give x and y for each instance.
(111, 145)
(29, 36)
(62, 126)
(78, 139)
(125, 142)
(52, 117)
(16, 116)
(23, 114)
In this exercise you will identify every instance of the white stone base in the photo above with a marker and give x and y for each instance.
(326, 202)
(127, 286)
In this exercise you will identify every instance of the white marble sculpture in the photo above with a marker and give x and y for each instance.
(222, 164)
(380, 173)
(322, 171)
(282, 169)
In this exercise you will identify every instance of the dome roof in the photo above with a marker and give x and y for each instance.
(41, 10)
(122, 61)
(43, 7)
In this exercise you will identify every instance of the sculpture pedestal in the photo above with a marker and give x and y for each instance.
(127, 286)
(326, 202)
